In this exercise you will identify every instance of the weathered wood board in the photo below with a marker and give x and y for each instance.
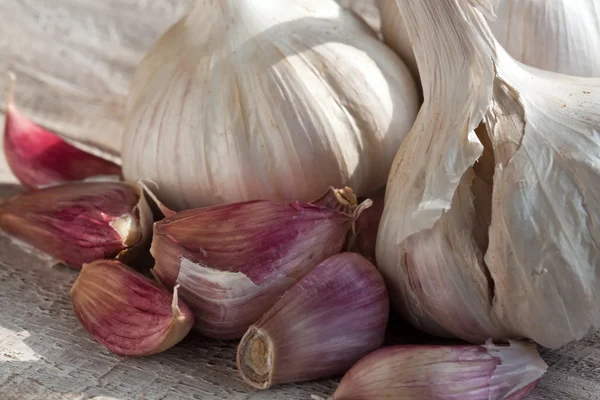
(74, 60)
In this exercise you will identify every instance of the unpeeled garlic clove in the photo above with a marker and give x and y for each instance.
(488, 372)
(234, 261)
(39, 158)
(126, 312)
(81, 222)
(331, 318)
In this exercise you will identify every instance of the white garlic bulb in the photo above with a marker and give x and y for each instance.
(272, 99)
(556, 35)
(540, 273)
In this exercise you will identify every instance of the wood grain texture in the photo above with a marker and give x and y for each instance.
(74, 59)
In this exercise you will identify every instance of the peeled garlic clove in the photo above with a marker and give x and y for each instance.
(81, 222)
(275, 99)
(41, 158)
(234, 261)
(560, 35)
(488, 372)
(127, 312)
(331, 318)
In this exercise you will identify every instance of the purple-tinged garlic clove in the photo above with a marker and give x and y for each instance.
(234, 261)
(40, 158)
(127, 312)
(331, 318)
(467, 372)
(80, 222)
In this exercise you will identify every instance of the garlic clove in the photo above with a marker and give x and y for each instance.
(126, 312)
(441, 284)
(320, 327)
(234, 261)
(81, 222)
(489, 372)
(276, 99)
(40, 158)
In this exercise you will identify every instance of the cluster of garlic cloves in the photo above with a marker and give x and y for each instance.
(330, 319)
(492, 232)
(234, 261)
(40, 158)
(80, 222)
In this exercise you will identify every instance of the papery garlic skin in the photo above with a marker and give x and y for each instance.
(272, 99)
(543, 129)
(425, 247)
(555, 35)
(234, 261)
(40, 158)
(488, 372)
(81, 222)
(545, 230)
(331, 318)
(127, 312)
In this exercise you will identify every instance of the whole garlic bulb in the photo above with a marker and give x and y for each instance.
(523, 261)
(271, 99)
(556, 35)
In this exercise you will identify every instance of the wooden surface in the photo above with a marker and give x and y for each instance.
(74, 59)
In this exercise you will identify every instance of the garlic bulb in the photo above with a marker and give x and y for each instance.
(538, 275)
(270, 99)
(556, 35)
